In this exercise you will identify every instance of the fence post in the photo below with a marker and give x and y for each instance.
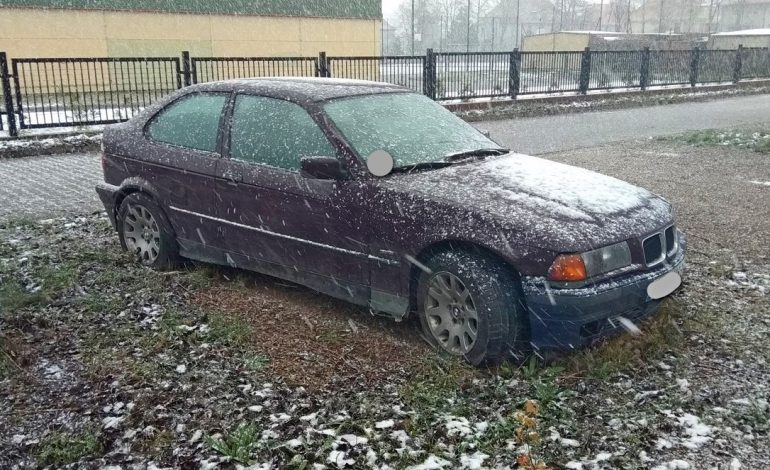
(644, 73)
(585, 71)
(186, 72)
(738, 64)
(514, 73)
(8, 98)
(694, 61)
(429, 85)
(323, 66)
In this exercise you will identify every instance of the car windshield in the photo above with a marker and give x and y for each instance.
(412, 128)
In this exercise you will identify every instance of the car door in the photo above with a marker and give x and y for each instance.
(181, 149)
(304, 229)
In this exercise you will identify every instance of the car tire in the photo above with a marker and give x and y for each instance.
(145, 231)
(492, 307)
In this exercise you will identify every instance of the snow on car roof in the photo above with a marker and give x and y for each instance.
(304, 88)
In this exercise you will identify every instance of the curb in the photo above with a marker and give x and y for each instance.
(50, 145)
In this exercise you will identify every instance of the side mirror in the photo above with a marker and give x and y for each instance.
(322, 168)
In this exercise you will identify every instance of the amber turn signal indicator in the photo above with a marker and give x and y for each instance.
(567, 268)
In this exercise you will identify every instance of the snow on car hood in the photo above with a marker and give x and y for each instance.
(544, 198)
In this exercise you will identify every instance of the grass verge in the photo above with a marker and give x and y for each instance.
(63, 448)
(758, 141)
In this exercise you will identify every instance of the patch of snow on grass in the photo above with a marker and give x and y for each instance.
(474, 461)
(431, 463)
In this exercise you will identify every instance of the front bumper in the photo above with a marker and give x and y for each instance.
(107, 193)
(564, 319)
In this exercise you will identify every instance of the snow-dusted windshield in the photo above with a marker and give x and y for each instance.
(412, 128)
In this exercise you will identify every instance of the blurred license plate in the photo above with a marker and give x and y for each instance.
(662, 287)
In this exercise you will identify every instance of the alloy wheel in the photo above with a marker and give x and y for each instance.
(141, 233)
(451, 313)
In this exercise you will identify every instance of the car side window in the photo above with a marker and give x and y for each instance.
(191, 122)
(275, 132)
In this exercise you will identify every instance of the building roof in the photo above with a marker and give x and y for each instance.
(368, 9)
(746, 32)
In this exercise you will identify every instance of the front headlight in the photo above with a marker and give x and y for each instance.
(579, 267)
(609, 258)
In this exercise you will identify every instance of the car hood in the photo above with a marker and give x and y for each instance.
(542, 201)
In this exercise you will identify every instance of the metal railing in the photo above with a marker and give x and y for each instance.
(755, 63)
(717, 66)
(406, 71)
(616, 69)
(69, 92)
(550, 72)
(88, 91)
(670, 67)
(209, 69)
(471, 75)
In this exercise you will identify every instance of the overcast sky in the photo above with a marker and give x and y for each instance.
(389, 6)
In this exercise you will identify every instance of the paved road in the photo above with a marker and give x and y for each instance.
(39, 187)
(571, 131)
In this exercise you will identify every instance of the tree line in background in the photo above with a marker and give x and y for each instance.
(498, 25)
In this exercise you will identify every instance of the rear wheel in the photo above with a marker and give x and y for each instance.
(145, 232)
(469, 306)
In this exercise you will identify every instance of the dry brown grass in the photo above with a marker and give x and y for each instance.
(313, 340)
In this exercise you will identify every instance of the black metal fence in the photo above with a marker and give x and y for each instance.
(407, 71)
(87, 91)
(209, 69)
(68, 92)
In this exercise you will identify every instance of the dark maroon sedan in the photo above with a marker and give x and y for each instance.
(497, 252)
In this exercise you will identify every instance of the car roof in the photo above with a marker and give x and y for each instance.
(306, 89)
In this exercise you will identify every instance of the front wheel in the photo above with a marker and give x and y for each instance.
(145, 232)
(469, 306)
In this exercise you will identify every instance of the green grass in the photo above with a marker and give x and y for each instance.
(239, 444)
(63, 448)
(6, 367)
(624, 351)
(436, 389)
(229, 330)
(756, 416)
(53, 280)
(255, 362)
(758, 141)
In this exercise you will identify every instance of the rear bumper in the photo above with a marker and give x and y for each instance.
(107, 193)
(564, 319)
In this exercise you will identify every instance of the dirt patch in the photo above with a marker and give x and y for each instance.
(315, 341)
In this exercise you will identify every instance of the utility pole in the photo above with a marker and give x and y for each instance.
(412, 27)
(601, 14)
(516, 43)
(629, 27)
(660, 18)
(468, 31)
(493, 33)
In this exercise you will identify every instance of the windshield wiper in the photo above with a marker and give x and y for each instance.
(450, 159)
(422, 166)
(483, 152)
